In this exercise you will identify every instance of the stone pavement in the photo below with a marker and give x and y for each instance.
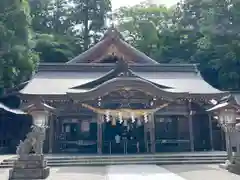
(5, 157)
(202, 172)
(138, 172)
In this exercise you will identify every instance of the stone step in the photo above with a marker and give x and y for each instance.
(135, 156)
(132, 157)
(163, 156)
(81, 160)
(52, 160)
(77, 162)
(102, 163)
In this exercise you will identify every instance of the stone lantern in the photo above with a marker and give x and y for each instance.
(40, 118)
(227, 120)
(31, 163)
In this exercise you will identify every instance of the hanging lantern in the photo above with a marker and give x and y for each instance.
(133, 117)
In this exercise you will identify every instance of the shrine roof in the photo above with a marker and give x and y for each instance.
(13, 111)
(58, 79)
(106, 67)
(230, 101)
(112, 44)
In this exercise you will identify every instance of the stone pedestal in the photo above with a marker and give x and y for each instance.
(29, 167)
(235, 166)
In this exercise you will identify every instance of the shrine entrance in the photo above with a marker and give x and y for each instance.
(123, 137)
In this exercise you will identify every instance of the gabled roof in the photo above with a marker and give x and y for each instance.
(127, 83)
(122, 69)
(60, 79)
(122, 77)
(112, 44)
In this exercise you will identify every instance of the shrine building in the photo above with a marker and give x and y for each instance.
(115, 99)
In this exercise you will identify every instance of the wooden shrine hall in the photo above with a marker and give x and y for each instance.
(115, 99)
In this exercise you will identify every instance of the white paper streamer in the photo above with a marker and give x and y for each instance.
(107, 116)
(132, 117)
(145, 118)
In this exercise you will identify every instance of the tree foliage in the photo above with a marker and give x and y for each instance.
(70, 25)
(17, 59)
(193, 31)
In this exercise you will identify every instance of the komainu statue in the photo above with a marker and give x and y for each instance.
(33, 142)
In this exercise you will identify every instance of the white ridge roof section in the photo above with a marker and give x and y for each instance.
(57, 83)
(181, 82)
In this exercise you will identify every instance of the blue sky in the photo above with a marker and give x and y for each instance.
(118, 3)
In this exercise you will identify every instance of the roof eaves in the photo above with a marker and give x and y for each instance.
(102, 67)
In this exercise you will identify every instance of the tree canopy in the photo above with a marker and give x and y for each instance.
(17, 59)
(193, 31)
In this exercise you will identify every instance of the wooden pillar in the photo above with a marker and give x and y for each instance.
(190, 120)
(51, 133)
(99, 133)
(57, 133)
(146, 136)
(210, 131)
(152, 133)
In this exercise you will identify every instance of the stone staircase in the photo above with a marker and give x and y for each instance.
(160, 159)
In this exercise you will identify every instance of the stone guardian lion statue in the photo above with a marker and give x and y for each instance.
(33, 142)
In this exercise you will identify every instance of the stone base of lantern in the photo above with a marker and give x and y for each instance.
(235, 166)
(29, 167)
(226, 165)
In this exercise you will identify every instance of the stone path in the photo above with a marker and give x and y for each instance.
(202, 172)
(138, 172)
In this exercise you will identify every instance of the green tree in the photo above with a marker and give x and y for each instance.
(17, 59)
(214, 28)
(53, 30)
(89, 19)
(194, 31)
(70, 26)
(50, 16)
(143, 26)
(54, 48)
